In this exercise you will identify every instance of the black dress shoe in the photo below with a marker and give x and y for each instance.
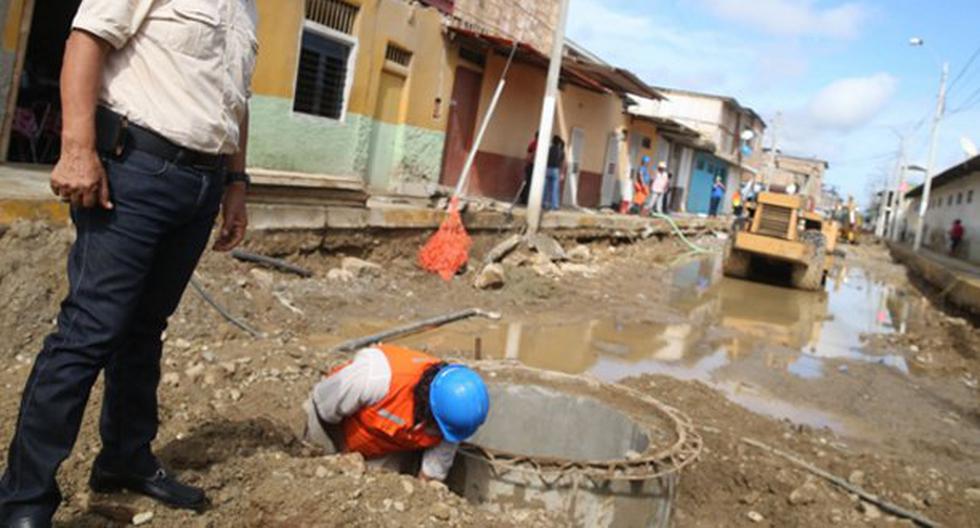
(29, 522)
(160, 486)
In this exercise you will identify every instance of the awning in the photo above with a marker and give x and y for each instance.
(618, 80)
(570, 72)
(676, 132)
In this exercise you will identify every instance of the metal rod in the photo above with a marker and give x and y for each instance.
(471, 158)
(355, 344)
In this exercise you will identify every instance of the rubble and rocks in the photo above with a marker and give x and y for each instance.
(238, 436)
(360, 268)
(491, 277)
(547, 246)
(580, 254)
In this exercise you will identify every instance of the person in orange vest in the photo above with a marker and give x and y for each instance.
(390, 403)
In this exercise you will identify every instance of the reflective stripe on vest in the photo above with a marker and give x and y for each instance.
(389, 425)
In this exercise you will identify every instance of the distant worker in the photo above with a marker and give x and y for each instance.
(737, 204)
(641, 188)
(389, 403)
(717, 194)
(956, 234)
(532, 147)
(555, 174)
(661, 180)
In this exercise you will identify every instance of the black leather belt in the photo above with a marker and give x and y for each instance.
(115, 135)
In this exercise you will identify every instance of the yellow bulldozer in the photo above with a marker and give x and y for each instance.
(779, 230)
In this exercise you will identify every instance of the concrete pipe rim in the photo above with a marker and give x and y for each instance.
(658, 460)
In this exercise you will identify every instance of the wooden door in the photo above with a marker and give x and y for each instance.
(463, 108)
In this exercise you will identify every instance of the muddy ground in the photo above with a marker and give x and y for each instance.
(229, 403)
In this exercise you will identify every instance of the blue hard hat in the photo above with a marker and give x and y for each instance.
(459, 401)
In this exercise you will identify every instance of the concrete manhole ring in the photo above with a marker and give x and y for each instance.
(606, 454)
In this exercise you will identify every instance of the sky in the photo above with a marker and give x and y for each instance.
(838, 80)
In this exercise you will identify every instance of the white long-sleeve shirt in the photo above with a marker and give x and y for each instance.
(365, 382)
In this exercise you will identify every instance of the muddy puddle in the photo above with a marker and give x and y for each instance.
(759, 344)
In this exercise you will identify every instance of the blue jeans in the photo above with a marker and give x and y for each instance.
(713, 206)
(127, 271)
(552, 189)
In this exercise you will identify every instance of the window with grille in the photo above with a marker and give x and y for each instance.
(321, 81)
(398, 55)
(334, 14)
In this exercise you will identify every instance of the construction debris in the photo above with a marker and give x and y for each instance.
(360, 268)
(491, 277)
(547, 246)
(503, 249)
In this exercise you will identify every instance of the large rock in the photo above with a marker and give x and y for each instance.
(360, 268)
(340, 275)
(492, 277)
(580, 254)
(547, 246)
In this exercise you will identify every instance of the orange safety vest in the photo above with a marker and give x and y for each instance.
(640, 193)
(389, 425)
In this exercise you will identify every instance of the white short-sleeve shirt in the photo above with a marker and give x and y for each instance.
(182, 68)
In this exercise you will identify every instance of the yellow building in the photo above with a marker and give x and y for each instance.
(385, 92)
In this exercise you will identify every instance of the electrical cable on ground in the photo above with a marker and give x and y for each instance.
(242, 325)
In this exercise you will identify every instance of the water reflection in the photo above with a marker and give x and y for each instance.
(738, 336)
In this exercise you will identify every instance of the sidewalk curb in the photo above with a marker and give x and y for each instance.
(956, 288)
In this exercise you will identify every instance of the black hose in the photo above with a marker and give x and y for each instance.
(278, 264)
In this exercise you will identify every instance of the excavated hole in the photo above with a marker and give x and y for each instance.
(534, 421)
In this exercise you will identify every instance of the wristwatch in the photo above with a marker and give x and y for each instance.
(232, 177)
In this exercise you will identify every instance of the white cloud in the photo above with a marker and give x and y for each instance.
(793, 17)
(847, 104)
(666, 52)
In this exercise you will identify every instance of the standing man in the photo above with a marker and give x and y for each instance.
(661, 181)
(717, 193)
(155, 98)
(555, 174)
(956, 234)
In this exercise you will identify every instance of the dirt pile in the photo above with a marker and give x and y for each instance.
(734, 482)
(32, 283)
(230, 404)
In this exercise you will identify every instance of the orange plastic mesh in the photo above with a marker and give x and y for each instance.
(449, 249)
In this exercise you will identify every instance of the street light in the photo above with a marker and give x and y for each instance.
(933, 144)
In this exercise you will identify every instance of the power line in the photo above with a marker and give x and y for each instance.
(966, 67)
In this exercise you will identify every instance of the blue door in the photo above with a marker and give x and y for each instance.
(702, 177)
(706, 169)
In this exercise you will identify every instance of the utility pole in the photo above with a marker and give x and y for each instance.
(773, 148)
(547, 122)
(934, 143)
(900, 189)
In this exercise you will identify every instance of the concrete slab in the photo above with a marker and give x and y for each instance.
(24, 194)
(958, 281)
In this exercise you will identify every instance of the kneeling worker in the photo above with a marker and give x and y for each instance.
(389, 402)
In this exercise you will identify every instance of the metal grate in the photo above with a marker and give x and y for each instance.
(398, 55)
(322, 76)
(335, 14)
(775, 221)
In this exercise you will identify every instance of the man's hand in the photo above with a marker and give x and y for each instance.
(234, 218)
(80, 178)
